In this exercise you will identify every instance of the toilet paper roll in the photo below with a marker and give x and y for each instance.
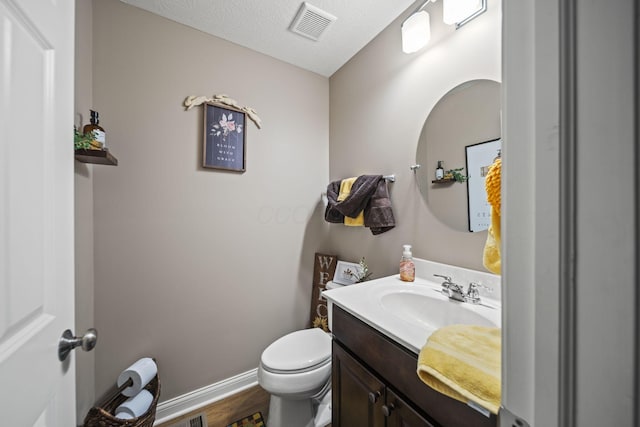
(135, 406)
(124, 416)
(140, 373)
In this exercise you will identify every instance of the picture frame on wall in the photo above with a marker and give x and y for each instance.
(347, 273)
(479, 157)
(225, 133)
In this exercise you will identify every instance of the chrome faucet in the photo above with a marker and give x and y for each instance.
(451, 289)
(457, 293)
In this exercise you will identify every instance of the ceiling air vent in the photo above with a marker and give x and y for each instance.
(311, 21)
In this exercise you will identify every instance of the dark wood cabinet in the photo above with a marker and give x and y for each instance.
(362, 399)
(374, 384)
(400, 414)
(358, 396)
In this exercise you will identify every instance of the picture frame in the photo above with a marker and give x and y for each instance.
(478, 159)
(347, 273)
(224, 141)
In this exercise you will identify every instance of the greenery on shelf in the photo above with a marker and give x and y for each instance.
(81, 141)
(456, 175)
(365, 274)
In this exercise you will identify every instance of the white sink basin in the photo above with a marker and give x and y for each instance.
(430, 311)
(409, 312)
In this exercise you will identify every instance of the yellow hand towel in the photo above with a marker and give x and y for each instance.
(463, 362)
(345, 189)
(491, 255)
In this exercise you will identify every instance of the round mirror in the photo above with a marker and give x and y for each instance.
(462, 133)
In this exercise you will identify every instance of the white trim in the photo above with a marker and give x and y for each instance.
(524, 34)
(204, 396)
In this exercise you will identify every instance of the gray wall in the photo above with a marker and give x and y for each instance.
(85, 362)
(201, 269)
(379, 102)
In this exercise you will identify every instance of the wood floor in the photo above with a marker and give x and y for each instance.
(233, 408)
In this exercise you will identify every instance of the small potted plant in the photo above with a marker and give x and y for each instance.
(365, 274)
(82, 141)
(455, 175)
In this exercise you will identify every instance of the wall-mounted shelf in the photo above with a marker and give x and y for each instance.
(99, 157)
(443, 181)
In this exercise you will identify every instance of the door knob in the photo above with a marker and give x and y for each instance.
(68, 342)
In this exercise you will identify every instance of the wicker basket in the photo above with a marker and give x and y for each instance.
(103, 416)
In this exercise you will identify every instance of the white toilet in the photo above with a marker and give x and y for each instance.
(296, 371)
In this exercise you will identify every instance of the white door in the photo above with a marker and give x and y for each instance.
(36, 211)
(570, 185)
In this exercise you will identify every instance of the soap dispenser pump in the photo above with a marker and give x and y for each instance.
(407, 267)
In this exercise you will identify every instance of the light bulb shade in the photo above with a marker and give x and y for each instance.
(416, 31)
(455, 11)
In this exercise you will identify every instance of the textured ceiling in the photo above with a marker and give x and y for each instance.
(263, 26)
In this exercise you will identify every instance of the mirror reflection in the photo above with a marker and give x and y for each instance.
(464, 122)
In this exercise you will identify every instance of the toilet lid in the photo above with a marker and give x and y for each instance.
(298, 350)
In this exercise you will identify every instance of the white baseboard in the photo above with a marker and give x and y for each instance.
(204, 396)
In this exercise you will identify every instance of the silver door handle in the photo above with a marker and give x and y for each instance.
(68, 342)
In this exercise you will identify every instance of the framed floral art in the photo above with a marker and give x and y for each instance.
(224, 138)
(347, 273)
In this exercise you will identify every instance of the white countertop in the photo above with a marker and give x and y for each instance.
(409, 312)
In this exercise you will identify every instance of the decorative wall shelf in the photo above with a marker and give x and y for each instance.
(443, 181)
(99, 157)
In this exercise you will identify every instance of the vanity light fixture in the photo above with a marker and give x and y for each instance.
(459, 12)
(416, 30)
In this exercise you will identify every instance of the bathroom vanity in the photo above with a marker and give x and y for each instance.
(374, 383)
(377, 336)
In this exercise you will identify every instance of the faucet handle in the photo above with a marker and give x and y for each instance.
(446, 278)
(473, 293)
(447, 282)
(478, 286)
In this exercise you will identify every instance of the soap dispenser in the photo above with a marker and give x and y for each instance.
(99, 136)
(407, 267)
(439, 171)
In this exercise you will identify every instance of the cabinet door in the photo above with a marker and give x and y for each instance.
(400, 414)
(358, 396)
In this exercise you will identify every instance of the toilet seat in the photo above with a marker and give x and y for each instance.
(299, 351)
